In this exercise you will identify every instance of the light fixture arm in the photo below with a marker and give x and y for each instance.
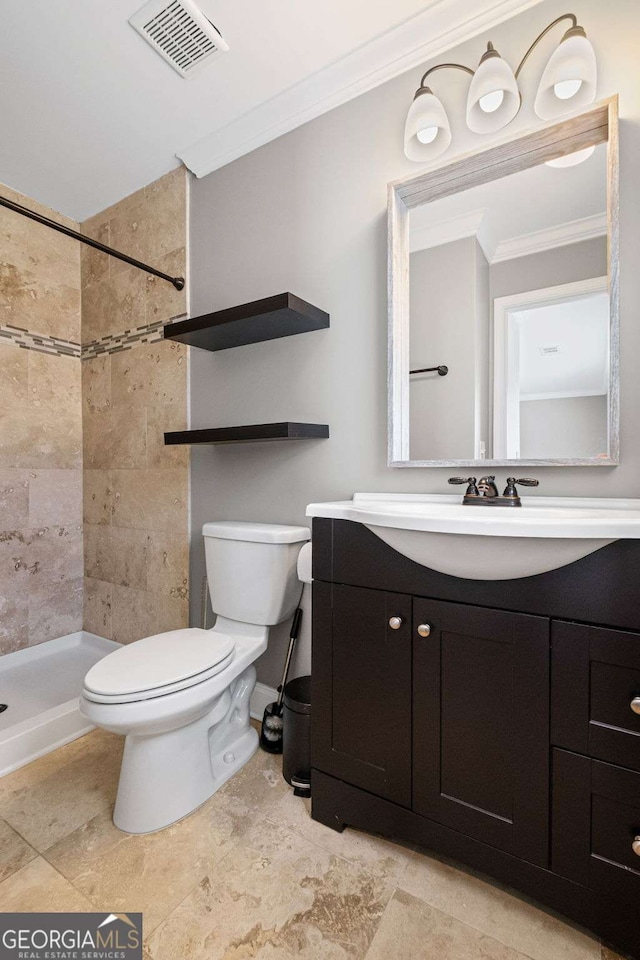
(565, 16)
(460, 66)
(446, 66)
(494, 97)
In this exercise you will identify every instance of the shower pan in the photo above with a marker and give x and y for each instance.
(39, 690)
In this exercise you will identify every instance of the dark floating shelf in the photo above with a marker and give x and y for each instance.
(281, 316)
(251, 433)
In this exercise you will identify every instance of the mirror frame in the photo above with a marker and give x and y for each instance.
(594, 126)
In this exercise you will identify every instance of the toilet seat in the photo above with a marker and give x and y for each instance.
(159, 665)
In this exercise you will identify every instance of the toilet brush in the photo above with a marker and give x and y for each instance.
(271, 735)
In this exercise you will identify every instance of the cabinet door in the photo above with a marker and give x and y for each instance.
(361, 694)
(481, 724)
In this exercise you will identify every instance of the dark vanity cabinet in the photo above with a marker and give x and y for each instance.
(485, 720)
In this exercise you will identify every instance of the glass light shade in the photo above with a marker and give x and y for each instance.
(572, 159)
(426, 113)
(574, 60)
(494, 75)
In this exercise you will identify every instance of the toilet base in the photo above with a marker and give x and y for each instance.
(164, 777)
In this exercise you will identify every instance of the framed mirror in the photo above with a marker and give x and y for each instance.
(503, 303)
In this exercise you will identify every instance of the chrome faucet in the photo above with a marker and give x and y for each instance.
(484, 493)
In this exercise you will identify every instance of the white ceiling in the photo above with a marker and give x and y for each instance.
(90, 113)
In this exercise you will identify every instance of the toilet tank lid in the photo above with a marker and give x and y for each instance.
(255, 532)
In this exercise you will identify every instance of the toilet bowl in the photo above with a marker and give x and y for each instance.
(182, 698)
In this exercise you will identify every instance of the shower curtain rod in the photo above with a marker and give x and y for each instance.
(178, 282)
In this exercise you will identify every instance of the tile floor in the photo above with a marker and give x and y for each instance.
(250, 875)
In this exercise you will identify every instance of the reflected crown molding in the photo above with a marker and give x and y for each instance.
(475, 223)
(562, 235)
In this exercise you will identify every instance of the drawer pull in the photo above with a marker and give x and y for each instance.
(395, 623)
(635, 846)
(635, 704)
(424, 630)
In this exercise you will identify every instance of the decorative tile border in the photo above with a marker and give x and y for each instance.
(116, 342)
(113, 343)
(36, 341)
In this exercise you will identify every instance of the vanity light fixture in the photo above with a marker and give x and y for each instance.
(493, 101)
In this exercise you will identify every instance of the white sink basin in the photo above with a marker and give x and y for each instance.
(489, 543)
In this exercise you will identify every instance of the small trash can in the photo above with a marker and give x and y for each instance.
(296, 736)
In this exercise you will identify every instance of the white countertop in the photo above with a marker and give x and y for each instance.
(555, 517)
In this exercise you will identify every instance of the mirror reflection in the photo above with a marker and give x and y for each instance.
(509, 299)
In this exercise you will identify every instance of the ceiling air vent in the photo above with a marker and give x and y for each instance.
(180, 33)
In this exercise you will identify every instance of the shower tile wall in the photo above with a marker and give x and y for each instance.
(40, 430)
(134, 387)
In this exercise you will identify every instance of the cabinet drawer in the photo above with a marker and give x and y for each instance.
(595, 692)
(596, 825)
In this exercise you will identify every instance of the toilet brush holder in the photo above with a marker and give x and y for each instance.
(272, 723)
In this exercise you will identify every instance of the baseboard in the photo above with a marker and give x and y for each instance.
(261, 696)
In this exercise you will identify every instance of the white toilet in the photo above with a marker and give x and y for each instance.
(182, 698)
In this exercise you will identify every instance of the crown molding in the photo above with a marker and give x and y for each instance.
(562, 235)
(447, 23)
(471, 224)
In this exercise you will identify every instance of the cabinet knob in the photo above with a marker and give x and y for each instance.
(635, 846)
(424, 630)
(395, 623)
(635, 704)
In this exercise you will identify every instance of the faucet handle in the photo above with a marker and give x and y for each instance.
(511, 489)
(472, 490)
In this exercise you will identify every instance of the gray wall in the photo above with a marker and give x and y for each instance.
(577, 261)
(307, 213)
(564, 427)
(442, 306)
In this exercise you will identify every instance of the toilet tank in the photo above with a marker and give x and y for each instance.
(251, 569)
